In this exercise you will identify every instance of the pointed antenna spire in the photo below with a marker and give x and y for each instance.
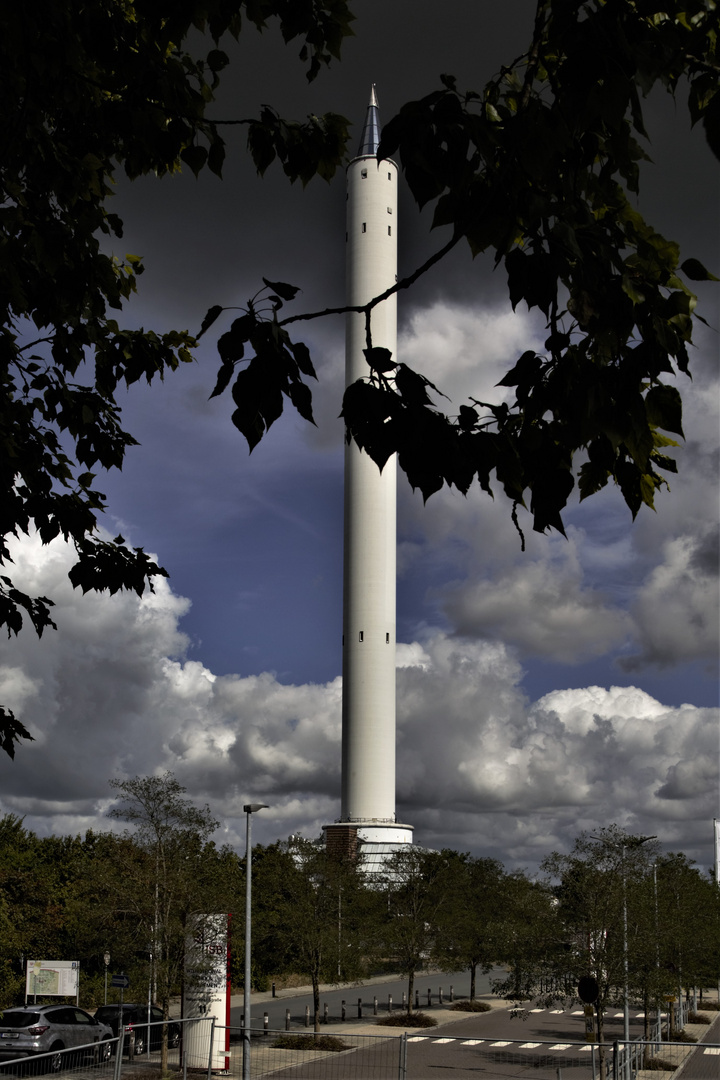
(370, 139)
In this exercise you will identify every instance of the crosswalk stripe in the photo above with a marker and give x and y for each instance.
(472, 1042)
(528, 1046)
(501, 1044)
(561, 1046)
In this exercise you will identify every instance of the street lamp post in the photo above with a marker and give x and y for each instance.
(106, 958)
(249, 810)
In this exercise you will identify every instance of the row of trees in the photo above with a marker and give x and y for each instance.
(137, 894)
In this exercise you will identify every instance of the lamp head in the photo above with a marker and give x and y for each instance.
(253, 807)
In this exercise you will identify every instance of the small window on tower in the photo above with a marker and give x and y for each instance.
(364, 227)
(387, 639)
(363, 174)
(389, 230)
(389, 209)
(389, 176)
(360, 636)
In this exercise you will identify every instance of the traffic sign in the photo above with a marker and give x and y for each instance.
(122, 981)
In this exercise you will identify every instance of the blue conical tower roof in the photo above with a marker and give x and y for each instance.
(371, 132)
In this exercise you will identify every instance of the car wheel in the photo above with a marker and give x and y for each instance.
(173, 1040)
(103, 1052)
(56, 1061)
(139, 1045)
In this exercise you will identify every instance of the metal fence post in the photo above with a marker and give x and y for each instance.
(429, 997)
(287, 1019)
(266, 1023)
(417, 999)
(375, 1006)
(210, 1054)
(592, 1054)
(440, 997)
(325, 1012)
(118, 1054)
(389, 1003)
(402, 1060)
(615, 1060)
(359, 1008)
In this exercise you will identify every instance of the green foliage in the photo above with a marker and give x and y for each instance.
(539, 170)
(88, 89)
(311, 914)
(471, 1006)
(407, 1020)
(310, 1042)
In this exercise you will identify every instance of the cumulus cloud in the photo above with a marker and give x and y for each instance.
(542, 606)
(676, 608)
(113, 694)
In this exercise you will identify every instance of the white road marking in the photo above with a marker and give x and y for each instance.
(561, 1046)
(501, 1044)
(528, 1046)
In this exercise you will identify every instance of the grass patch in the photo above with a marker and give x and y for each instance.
(310, 1042)
(698, 1018)
(404, 1019)
(471, 1006)
(710, 1006)
(659, 1065)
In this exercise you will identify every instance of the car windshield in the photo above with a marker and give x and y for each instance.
(18, 1018)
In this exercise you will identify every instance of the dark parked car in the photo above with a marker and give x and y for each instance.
(38, 1029)
(137, 1015)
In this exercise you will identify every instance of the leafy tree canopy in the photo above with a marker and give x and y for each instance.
(90, 88)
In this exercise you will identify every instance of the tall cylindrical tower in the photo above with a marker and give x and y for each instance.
(368, 721)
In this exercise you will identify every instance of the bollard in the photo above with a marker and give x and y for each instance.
(374, 1006)
(404, 1002)
(417, 999)
(452, 995)
(273, 989)
(342, 1009)
(359, 1008)
(325, 1013)
(440, 997)
(389, 1003)
(266, 1024)
(429, 997)
(307, 1016)
(287, 1019)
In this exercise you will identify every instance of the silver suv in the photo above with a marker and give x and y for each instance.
(37, 1029)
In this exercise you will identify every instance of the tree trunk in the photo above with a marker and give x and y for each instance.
(316, 1001)
(164, 1043)
(601, 1040)
(473, 969)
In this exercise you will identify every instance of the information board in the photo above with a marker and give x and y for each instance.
(52, 978)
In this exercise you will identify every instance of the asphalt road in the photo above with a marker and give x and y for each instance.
(275, 1007)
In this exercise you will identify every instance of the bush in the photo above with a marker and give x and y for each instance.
(710, 1006)
(408, 1019)
(471, 1006)
(310, 1042)
(659, 1065)
(683, 1037)
(698, 1018)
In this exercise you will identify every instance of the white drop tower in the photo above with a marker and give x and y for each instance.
(367, 818)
